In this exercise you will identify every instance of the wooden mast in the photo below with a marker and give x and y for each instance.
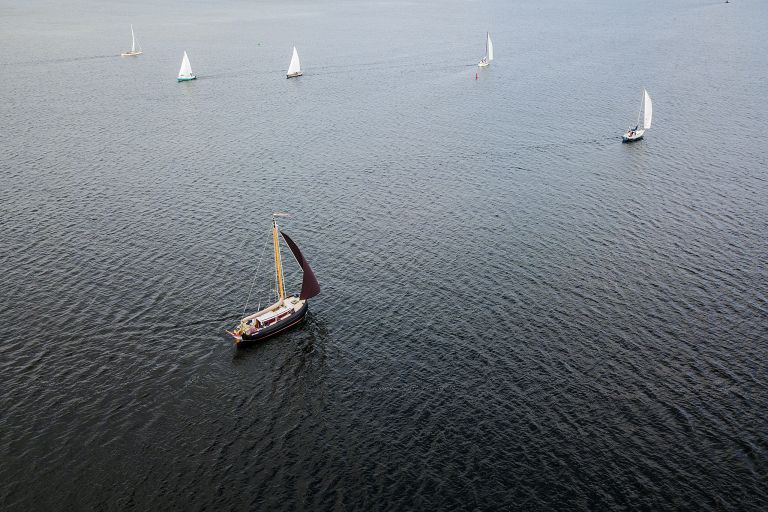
(278, 263)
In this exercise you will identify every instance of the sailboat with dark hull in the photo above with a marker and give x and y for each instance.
(488, 57)
(287, 312)
(646, 111)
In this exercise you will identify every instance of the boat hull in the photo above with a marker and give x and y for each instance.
(131, 54)
(482, 64)
(294, 75)
(638, 135)
(186, 78)
(278, 328)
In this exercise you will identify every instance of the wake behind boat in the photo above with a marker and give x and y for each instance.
(287, 312)
(133, 51)
(488, 57)
(646, 110)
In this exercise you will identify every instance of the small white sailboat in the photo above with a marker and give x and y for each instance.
(134, 52)
(294, 69)
(185, 72)
(646, 110)
(488, 57)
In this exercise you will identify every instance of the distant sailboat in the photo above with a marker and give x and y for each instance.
(185, 72)
(287, 312)
(294, 69)
(488, 57)
(646, 110)
(134, 52)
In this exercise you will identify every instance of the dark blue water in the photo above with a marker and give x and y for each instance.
(517, 311)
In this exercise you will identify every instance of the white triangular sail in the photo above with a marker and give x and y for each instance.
(135, 46)
(186, 69)
(295, 66)
(647, 110)
(489, 48)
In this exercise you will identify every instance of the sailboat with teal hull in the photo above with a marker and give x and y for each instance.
(185, 72)
(294, 68)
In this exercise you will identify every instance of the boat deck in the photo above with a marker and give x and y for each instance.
(273, 313)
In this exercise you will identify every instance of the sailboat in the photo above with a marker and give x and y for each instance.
(646, 110)
(294, 69)
(287, 312)
(134, 52)
(185, 71)
(486, 60)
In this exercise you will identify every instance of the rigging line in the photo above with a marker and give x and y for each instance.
(255, 274)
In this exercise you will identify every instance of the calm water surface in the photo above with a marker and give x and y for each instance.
(518, 311)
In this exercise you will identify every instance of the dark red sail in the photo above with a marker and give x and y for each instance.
(309, 285)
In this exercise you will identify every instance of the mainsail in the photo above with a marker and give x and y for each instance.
(186, 69)
(295, 66)
(647, 110)
(489, 48)
(309, 285)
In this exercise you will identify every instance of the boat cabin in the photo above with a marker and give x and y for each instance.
(269, 316)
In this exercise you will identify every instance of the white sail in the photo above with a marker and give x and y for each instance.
(295, 66)
(489, 50)
(135, 46)
(647, 110)
(186, 69)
